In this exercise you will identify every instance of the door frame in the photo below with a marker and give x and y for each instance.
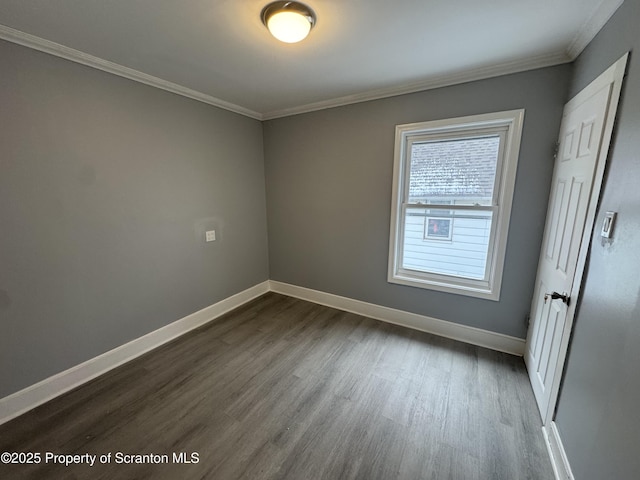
(613, 76)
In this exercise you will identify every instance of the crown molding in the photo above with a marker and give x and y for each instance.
(430, 83)
(52, 48)
(586, 33)
(592, 26)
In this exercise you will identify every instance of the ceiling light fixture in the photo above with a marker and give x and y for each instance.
(289, 22)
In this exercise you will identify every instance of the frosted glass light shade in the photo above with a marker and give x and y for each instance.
(288, 21)
(289, 27)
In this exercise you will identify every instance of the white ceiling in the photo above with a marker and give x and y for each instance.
(219, 52)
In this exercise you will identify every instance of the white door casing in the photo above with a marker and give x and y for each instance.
(585, 134)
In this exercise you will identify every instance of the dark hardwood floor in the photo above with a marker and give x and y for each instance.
(286, 389)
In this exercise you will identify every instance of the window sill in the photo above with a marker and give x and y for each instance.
(477, 291)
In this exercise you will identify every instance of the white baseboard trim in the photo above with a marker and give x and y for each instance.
(21, 402)
(24, 400)
(559, 460)
(455, 331)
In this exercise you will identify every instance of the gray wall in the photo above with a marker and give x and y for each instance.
(597, 415)
(106, 188)
(329, 176)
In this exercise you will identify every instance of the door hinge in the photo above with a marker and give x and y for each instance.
(555, 151)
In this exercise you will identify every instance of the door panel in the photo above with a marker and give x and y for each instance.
(555, 219)
(576, 210)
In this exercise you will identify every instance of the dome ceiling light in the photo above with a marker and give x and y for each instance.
(289, 22)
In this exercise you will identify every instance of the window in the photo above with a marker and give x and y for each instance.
(452, 192)
(437, 223)
(438, 228)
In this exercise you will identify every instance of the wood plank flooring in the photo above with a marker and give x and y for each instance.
(286, 389)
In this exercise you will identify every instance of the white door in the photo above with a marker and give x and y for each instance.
(583, 144)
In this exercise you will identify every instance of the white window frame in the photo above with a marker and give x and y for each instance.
(508, 125)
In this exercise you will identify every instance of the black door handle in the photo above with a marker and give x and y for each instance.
(555, 296)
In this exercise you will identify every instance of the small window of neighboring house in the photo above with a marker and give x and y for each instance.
(452, 193)
(438, 223)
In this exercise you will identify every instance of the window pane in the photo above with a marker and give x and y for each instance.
(455, 244)
(438, 212)
(460, 171)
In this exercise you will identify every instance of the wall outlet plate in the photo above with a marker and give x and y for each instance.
(210, 236)
(607, 224)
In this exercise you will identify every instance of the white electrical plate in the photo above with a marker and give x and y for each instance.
(210, 236)
(607, 224)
